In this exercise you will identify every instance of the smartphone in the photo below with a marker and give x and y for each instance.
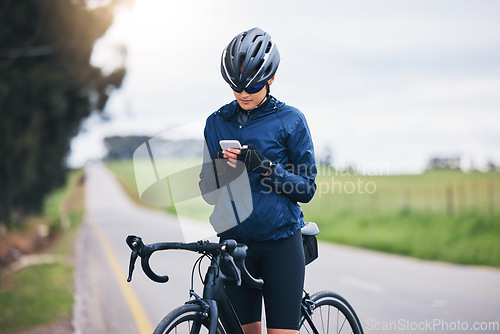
(229, 143)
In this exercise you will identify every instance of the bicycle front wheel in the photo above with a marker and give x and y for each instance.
(330, 314)
(187, 319)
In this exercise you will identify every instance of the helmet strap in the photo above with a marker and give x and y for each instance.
(268, 90)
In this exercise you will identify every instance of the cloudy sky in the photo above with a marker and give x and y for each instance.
(384, 84)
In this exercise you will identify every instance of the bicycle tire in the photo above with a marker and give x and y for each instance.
(187, 319)
(331, 314)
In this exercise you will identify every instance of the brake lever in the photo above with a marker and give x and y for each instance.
(135, 244)
(239, 255)
(236, 271)
(131, 265)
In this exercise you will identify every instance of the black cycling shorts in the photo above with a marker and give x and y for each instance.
(280, 263)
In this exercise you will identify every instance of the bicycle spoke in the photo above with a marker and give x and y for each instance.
(343, 323)
(302, 324)
(338, 320)
(328, 326)
(322, 322)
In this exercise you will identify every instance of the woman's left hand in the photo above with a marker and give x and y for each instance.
(232, 155)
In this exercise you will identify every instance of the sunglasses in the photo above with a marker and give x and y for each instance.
(249, 90)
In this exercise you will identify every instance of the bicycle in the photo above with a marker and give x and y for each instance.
(322, 312)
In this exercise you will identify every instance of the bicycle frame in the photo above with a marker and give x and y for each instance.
(216, 298)
(306, 311)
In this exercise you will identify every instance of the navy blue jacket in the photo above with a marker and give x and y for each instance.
(281, 134)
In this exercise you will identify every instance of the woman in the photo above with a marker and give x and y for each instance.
(277, 152)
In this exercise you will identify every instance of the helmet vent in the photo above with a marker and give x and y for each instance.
(243, 35)
(256, 50)
(233, 49)
(242, 61)
(268, 70)
(269, 46)
(259, 65)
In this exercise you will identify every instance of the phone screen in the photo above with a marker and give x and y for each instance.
(229, 143)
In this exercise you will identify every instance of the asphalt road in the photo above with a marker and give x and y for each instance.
(391, 294)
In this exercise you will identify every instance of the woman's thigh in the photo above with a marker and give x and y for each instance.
(283, 272)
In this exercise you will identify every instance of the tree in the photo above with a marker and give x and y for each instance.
(47, 88)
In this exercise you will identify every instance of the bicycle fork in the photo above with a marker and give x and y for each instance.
(213, 315)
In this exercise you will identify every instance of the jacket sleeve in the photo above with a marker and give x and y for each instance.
(208, 181)
(297, 179)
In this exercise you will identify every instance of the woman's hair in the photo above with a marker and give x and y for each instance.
(251, 58)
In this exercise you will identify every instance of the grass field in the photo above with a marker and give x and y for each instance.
(42, 294)
(444, 215)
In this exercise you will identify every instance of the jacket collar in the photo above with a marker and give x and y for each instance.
(230, 111)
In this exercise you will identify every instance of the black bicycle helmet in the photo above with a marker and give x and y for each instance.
(250, 59)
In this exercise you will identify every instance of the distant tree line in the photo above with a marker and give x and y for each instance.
(457, 162)
(122, 148)
(444, 162)
(47, 87)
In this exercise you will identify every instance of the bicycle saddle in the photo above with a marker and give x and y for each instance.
(310, 229)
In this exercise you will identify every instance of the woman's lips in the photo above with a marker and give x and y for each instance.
(246, 101)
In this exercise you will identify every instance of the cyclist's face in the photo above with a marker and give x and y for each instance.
(250, 101)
